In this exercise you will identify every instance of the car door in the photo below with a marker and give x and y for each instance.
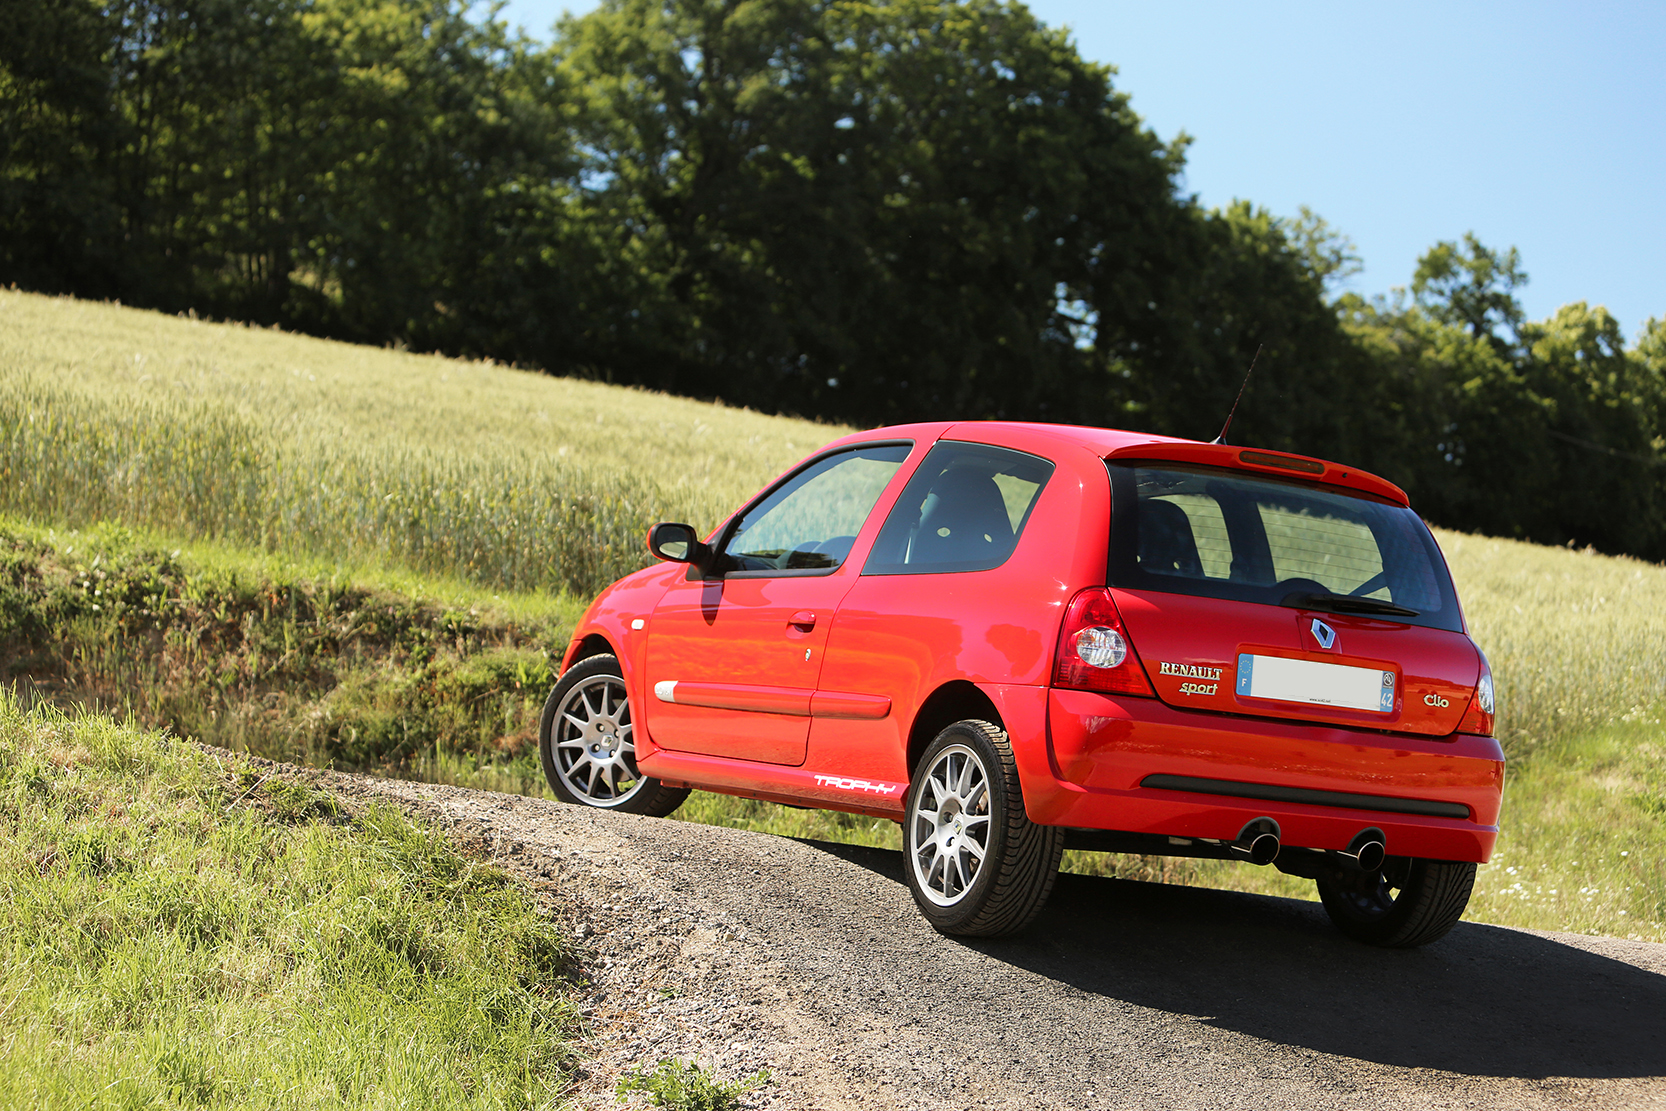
(941, 597)
(732, 658)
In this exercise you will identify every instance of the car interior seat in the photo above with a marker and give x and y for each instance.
(1167, 546)
(962, 520)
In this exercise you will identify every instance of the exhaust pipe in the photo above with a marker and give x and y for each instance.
(1366, 851)
(1257, 842)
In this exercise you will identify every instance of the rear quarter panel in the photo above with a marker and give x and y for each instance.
(906, 636)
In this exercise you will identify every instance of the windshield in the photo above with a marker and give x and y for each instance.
(1219, 533)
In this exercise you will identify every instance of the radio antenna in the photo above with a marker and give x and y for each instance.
(1221, 439)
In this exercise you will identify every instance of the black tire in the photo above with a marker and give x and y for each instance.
(1409, 902)
(1007, 887)
(589, 755)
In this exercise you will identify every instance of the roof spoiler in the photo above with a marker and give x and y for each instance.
(1265, 462)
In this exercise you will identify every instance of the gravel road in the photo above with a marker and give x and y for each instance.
(746, 951)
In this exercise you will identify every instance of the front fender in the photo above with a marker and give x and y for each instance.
(620, 616)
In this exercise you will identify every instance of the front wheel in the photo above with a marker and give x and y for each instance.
(1408, 902)
(587, 742)
(978, 867)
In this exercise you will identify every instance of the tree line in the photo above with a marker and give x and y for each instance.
(861, 210)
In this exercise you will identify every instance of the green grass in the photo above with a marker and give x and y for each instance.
(348, 670)
(473, 471)
(452, 492)
(685, 1086)
(178, 931)
(343, 669)
(1584, 822)
(1577, 641)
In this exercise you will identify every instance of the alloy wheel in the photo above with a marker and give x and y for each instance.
(949, 828)
(592, 742)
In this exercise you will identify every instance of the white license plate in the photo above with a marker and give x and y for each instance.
(1315, 684)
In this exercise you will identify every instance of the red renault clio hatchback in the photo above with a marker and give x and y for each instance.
(1014, 638)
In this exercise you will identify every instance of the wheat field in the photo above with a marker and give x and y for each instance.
(493, 475)
(501, 479)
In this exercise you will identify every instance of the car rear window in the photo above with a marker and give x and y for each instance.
(1219, 533)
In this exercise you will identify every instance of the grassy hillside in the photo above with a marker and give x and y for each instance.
(175, 931)
(472, 470)
(455, 495)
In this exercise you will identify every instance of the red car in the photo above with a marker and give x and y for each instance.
(1014, 638)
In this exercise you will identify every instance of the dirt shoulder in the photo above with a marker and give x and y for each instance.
(746, 951)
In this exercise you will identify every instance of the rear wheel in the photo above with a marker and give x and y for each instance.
(1408, 902)
(587, 742)
(976, 864)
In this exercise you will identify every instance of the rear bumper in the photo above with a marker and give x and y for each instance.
(1120, 763)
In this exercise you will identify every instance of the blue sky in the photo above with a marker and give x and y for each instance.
(1534, 125)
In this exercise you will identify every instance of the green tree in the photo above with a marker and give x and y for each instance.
(924, 208)
(869, 211)
(1460, 418)
(1238, 281)
(1471, 286)
(1601, 405)
(1551, 433)
(374, 169)
(439, 156)
(58, 215)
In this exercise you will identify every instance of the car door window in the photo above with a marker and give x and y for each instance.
(963, 510)
(810, 521)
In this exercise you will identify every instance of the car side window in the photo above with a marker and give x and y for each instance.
(810, 521)
(963, 510)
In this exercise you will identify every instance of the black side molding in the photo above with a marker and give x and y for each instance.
(1269, 792)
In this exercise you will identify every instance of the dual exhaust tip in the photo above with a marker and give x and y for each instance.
(1258, 842)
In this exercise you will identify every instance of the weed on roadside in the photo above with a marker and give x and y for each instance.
(687, 1086)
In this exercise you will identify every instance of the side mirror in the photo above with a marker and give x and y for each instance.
(678, 543)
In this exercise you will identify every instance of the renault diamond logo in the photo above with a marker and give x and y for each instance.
(1323, 633)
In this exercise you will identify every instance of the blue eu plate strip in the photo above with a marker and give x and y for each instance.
(1246, 664)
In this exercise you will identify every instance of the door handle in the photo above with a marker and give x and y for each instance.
(803, 620)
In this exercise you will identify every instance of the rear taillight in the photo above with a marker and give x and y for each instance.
(1094, 652)
(1478, 719)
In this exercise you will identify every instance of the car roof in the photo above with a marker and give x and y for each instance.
(1115, 443)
